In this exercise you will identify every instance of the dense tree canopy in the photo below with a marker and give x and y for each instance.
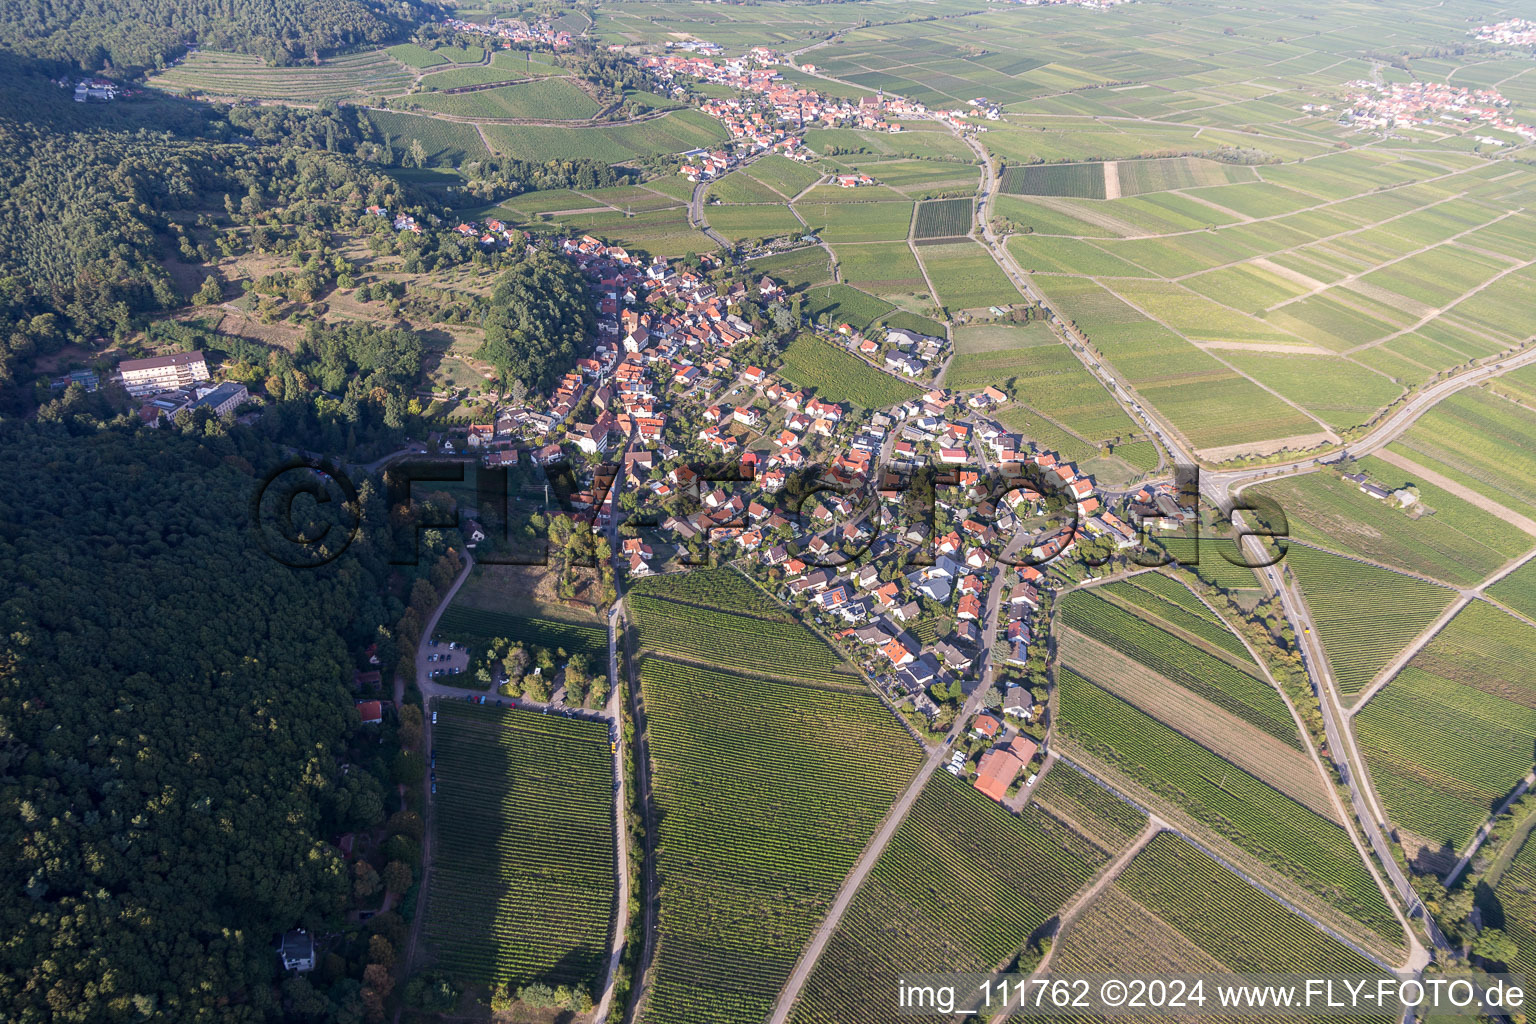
(94, 34)
(540, 315)
(173, 704)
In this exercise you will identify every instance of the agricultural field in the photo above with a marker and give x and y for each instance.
(1516, 896)
(839, 376)
(719, 636)
(522, 884)
(965, 276)
(1361, 637)
(547, 99)
(942, 218)
(447, 143)
(1176, 907)
(420, 57)
(838, 303)
(1043, 374)
(796, 269)
(1078, 181)
(765, 804)
(359, 77)
(857, 222)
(1446, 538)
(886, 269)
(1174, 665)
(1479, 440)
(1275, 829)
(764, 220)
(961, 887)
(1068, 795)
(675, 132)
(785, 176)
(1450, 736)
(1140, 176)
(1517, 590)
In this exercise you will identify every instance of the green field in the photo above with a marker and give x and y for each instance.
(1481, 440)
(1178, 666)
(547, 99)
(857, 222)
(961, 887)
(1272, 827)
(1454, 541)
(942, 218)
(765, 803)
(1178, 908)
(522, 885)
(447, 143)
(475, 627)
(838, 304)
(675, 132)
(1518, 590)
(357, 77)
(1450, 735)
(839, 376)
(965, 276)
(1359, 636)
(716, 634)
(1516, 894)
(1139, 176)
(1079, 181)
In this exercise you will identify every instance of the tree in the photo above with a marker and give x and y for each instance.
(418, 153)
(211, 292)
(397, 876)
(1495, 946)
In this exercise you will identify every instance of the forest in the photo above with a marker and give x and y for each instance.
(174, 717)
(129, 35)
(538, 319)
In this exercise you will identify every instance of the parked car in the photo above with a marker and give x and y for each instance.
(434, 789)
(434, 718)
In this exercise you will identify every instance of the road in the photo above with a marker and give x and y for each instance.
(621, 833)
(696, 216)
(937, 758)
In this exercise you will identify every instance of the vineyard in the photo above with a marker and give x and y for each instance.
(1099, 814)
(448, 143)
(942, 218)
(1256, 817)
(961, 887)
(1159, 175)
(712, 588)
(1238, 691)
(767, 793)
(1516, 893)
(476, 627)
(742, 643)
(1076, 181)
(1166, 598)
(522, 885)
(359, 76)
(1361, 636)
(1450, 736)
(1460, 543)
(839, 376)
(1182, 908)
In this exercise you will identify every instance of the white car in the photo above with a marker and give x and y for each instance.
(434, 718)
(953, 769)
(1032, 779)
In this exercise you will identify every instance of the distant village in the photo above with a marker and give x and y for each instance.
(1516, 32)
(513, 31)
(1378, 106)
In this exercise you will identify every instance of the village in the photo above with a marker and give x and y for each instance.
(1402, 104)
